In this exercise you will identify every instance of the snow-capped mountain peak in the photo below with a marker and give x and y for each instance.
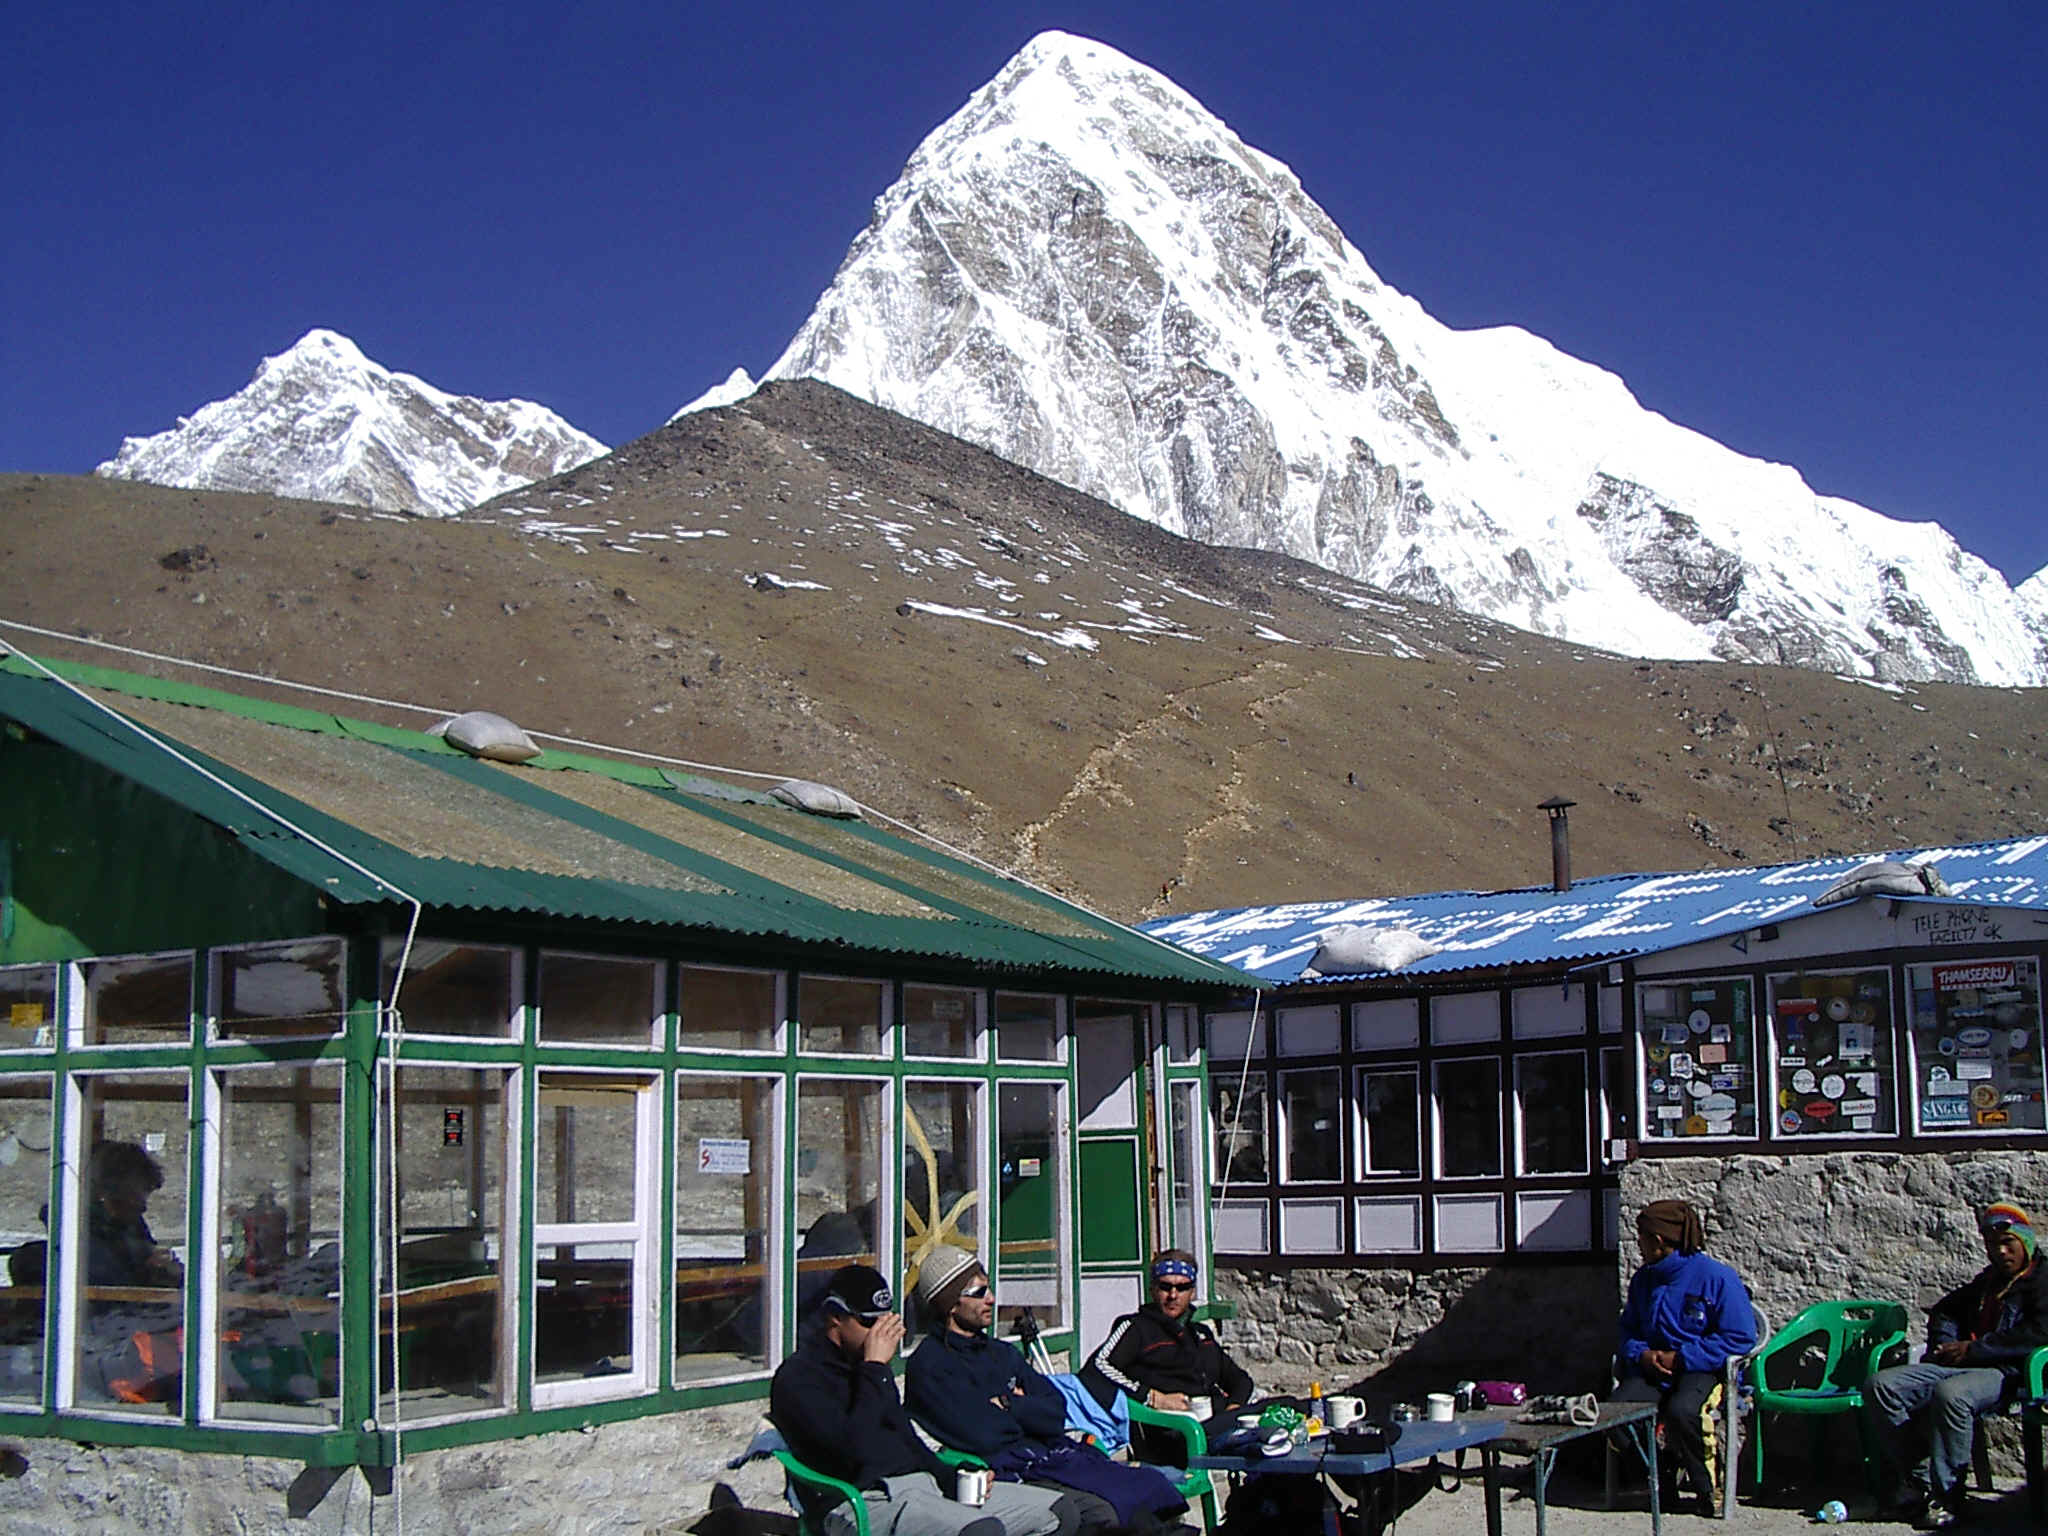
(737, 386)
(1086, 271)
(324, 422)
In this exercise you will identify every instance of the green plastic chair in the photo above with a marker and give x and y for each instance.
(1832, 1349)
(1195, 1485)
(814, 1494)
(2031, 1409)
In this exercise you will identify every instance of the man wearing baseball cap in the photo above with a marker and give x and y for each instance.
(980, 1394)
(1978, 1339)
(835, 1402)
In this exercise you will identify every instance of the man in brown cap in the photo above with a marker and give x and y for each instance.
(1686, 1315)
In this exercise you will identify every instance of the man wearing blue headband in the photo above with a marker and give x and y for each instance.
(1161, 1356)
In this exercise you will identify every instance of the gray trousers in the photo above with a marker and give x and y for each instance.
(1926, 1418)
(914, 1506)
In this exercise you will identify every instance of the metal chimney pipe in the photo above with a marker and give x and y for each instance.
(1560, 841)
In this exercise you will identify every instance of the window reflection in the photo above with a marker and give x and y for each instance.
(1033, 1238)
(941, 1172)
(280, 989)
(1184, 1150)
(138, 999)
(842, 1142)
(1468, 1118)
(28, 1007)
(280, 1244)
(1552, 1089)
(941, 1021)
(1392, 1122)
(841, 1017)
(588, 1229)
(130, 1228)
(1315, 1140)
(725, 1224)
(1240, 1121)
(453, 989)
(25, 1123)
(598, 998)
(450, 1134)
(1027, 1027)
(727, 1010)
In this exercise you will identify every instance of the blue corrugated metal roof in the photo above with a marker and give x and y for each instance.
(1603, 918)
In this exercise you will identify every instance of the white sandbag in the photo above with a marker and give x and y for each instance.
(1354, 951)
(483, 734)
(1884, 877)
(818, 799)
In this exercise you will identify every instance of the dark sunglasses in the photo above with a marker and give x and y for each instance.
(975, 1292)
(1173, 1285)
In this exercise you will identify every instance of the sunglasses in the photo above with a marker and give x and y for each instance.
(1173, 1285)
(975, 1292)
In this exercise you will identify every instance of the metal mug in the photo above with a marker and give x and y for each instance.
(971, 1485)
(1404, 1413)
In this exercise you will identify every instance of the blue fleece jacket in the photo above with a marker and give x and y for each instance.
(1690, 1303)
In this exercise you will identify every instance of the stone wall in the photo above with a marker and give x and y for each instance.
(1894, 1226)
(644, 1477)
(1542, 1322)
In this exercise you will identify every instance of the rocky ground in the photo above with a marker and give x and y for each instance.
(804, 585)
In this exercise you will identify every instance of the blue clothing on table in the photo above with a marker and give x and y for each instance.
(1690, 1303)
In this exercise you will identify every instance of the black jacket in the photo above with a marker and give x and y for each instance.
(951, 1380)
(843, 1417)
(2019, 1327)
(1148, 1351)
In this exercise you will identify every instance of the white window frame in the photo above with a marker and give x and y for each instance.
(642, 1233)
(75, 990)
(779, 1025)
(216, 964)
(779, 1206)
(1522, 1170)
(1362, 1138)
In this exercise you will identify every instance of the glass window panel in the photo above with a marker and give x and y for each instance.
(1699, 1062)
(1183, 1034)
(265, 990)
(1311, 1105)
(1028, 1027)
(28, 1007)
(1468, 1118)
(454, 989)
(598, 998)
(130, 1224)
(1106, 1065)
(726, 1010)
(1551, 1109)
(1833, 1034)
(842, 1140)
(839, 1016)
(451, 1134)
(726, 1210)
(588, 1210)
(941, 1021)
(1977, 1045)
(1184, 1164)
(942, 1183)
(280, 1245)
(1035, 1240)
(25, 1122)
(1239, 1115)
(1390, 1112)
(138, 999)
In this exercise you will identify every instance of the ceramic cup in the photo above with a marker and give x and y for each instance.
(1344, 1411)
(1442, 1407)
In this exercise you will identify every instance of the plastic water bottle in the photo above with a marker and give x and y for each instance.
(1834, 1512)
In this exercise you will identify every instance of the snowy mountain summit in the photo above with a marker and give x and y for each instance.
(324, 422)
(1087, 272)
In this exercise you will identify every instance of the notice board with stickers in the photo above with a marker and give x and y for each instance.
(1699, 1078)
(1831, 1041)
(1976, 1037)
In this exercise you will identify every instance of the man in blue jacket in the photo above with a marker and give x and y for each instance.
(979, 1393)
(1686, 1316)
(1978, 1339)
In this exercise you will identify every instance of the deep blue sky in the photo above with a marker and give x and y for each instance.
(1814, 231)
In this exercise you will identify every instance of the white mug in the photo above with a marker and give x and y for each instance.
(1344, 1411)
(1199, 1407)
(1442, 1407)
(971, 1485)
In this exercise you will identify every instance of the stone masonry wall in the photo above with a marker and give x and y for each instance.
(644, 1477)
(1339, 1325)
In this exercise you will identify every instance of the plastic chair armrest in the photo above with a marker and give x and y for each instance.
(2037, 1373)
(958, 1458)
(1186, 1425)
(1883, 1347)
(811, 1478)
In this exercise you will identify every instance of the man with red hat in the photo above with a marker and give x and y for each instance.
(1978, 1339)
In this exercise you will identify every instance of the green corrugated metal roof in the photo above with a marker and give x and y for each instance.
(568, 835)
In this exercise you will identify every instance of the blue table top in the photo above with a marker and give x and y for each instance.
(1419, 1442)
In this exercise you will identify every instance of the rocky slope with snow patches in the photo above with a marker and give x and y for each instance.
(325, 423)
(1087, 272)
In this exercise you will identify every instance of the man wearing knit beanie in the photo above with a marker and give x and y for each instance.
(1978, 1339)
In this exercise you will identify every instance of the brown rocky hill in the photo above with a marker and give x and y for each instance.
(803, 585)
